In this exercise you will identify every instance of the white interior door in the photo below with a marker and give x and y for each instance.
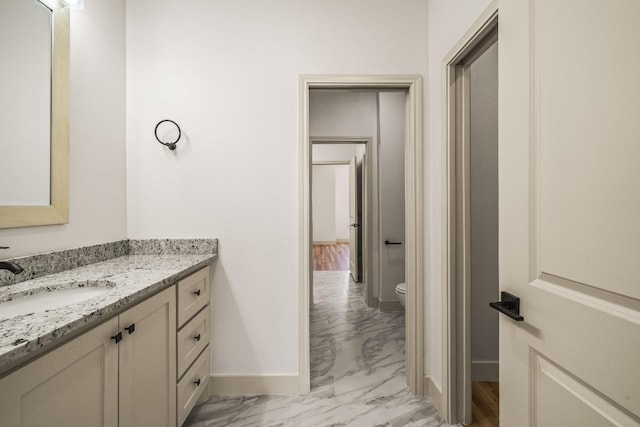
(354, 225)
(570, 212)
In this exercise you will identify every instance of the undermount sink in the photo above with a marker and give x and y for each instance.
(51, 297)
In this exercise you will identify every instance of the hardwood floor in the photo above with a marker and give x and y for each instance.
(331, 257)
(485, 404)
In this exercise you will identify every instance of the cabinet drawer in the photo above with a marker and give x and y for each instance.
(193, 294)
(192, 338)
(192, 385)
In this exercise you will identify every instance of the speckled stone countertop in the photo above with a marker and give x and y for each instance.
(131, 278)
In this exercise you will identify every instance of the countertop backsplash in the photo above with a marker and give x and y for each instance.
(172, 246)
(54, 262)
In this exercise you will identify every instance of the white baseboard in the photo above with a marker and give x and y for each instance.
(485, 370)
(389, 305)
(233, 385)
(323, 242)
(342, 240)
(433, 392)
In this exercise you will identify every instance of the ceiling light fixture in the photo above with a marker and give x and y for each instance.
(74, 4)
(59, 4)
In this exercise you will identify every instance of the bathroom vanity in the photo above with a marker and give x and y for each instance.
(134, 355)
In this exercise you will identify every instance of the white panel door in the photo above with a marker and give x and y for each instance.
(570, 212)
(354, 226)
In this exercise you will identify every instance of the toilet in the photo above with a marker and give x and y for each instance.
(401, 291)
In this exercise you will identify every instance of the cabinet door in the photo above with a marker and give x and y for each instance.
(148, 362)
(74, 385)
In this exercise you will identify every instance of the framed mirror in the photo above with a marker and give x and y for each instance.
(34, 114)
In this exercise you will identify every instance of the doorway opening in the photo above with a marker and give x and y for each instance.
(332, 250)
(342, 207)
(413, 239)
(470, 341)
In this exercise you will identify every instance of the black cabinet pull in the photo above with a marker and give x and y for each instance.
(131, 329)
(387, 242)
(509, 305)
(197, 293)
(197, 382)
(117, 337)
(197, 337)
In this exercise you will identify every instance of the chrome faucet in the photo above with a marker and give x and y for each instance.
(11, 266)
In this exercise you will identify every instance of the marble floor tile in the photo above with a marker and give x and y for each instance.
(357, 371)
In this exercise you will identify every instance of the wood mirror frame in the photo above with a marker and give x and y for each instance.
(57, 212)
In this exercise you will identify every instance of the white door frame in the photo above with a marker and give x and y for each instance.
(413, 216)
(456, 336)
(369, 226)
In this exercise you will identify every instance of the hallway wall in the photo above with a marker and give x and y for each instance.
(228, 73)
(392, 192)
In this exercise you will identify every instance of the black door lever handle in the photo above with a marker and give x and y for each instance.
(117, 337)
(509, 304)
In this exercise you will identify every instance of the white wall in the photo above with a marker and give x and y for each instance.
(448, 21)
(97, 137)
(391, 171)
(484, 208)
(324, 203)
(338, 153)
(335, 152)
(330, 203)
(228, 73)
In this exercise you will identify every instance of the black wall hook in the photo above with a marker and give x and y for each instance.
(170, 145)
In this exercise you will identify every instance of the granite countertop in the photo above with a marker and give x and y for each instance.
(131, 279)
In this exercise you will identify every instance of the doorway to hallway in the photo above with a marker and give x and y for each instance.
(414, 205)
(470, 344)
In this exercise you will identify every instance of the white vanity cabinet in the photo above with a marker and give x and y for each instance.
(192, 341)
(95, 381)
(146, 367)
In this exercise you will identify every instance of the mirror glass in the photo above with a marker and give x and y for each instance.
(25, 103)
(34, 113)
